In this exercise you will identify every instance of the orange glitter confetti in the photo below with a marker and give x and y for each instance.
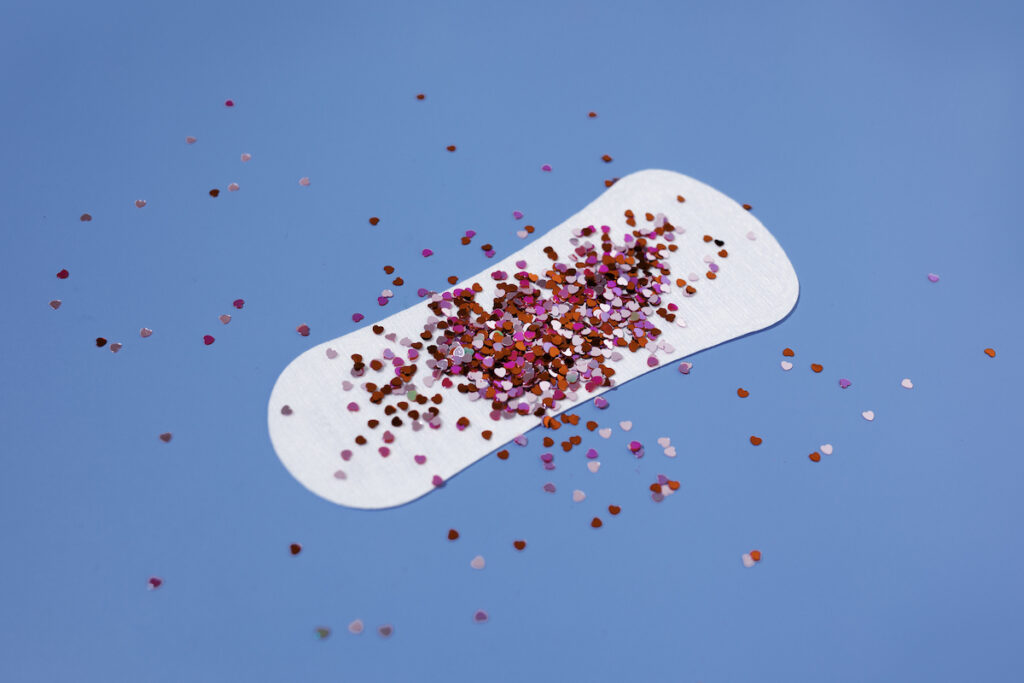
(742, 393)
(755, 555)
(815, 456)
(614, 509)
(755, 440)
(816, 367)
(519, 545)
(788, 352)
(374, 220)
(596, 523)
(991, 353)
(452, 534)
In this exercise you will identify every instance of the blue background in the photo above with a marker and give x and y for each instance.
(878, 141)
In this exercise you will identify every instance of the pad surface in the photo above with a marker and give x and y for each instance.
(313, 429)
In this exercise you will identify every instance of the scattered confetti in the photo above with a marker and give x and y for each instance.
(155, 582)
(868, 415)
(626, 425)
(906, 383)
(742, 393)
(747, 560)
(437, 481)
(932, 277)
(233, 187)
(517, 215)
(549, 487)
(480, 616)
(295, 548)
(788, 352)
(685, 367)
(166, 437)
(593, 466)
(356, 627)
(816, 367)
(478, 562)
(614, 510)
(755, 555)
(224, 318)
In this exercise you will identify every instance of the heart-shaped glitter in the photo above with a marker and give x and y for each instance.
(63, 274)
(868, 415)
(747, 560)
(817, 367)
(346, 455)
(340, 474)
(685, 367)
(742, 393)
(208, 339)
(614, 509)
(670, 451)
(549, 487)
(286, 410)
(420, 459)
(356, 627)
(453, 535)
(224, 318)
(664, 441)
(478, 562)
(605, 432)
(755, 441)
(578, 496)
(519, 544)
(386, 630)
(145, 332)
(332, 354)
(155, 582)
(304, 181)
(907, 384)
(593, 466)
(596, 523)
(932, 277)
(301, 329)
(55, 304)
(844, 383)
(295, 548)
(166, 437)
(786, 365)
(991, 353)
(238, 303)
(233, 187)
(246, 156)
(626, 425)
(826, 449)
(139, 203)
(600, 402)
(517, 214)
(116, 346)
(480, 616)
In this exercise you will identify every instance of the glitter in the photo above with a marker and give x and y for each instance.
(208, 339)
(437, 481)
(868, 415)
(932, 277)
(600, 402)
(304, 181)
(546, 167)
(480, 616)
(685, 367)
(478, 562)
(786, 365)
(356, 627)
(906, 383)
(356, 317)
(238, 303)
(139, 203)
(755, 440)
(596, 523)
(295, 548)
(816, 367)
(844, 383)
(321, 632)
(154, 582)
(742, 393)
(229, 103)
(303, 330)
(427, 252)
(519, 544)
(166, 437)
(815, 456)
(63, 274)
(991, 353)
(826, 448)
(55, 304)
(578, 496)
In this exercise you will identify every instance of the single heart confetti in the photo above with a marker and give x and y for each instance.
(685, 367)
(786, 365)
(385, 631)
(788, 352)
(145, 332)
(85, 218)
(295, 548)
(906, 383)
(63, 274)
(478, 562)
(747, 560)
(116, 346)
(626, 425)
(578, 496)
(420, 459)
(742, 393)
(670, 451)
(356, 627)
(614, 510)
(233, 187)
(155, 582)
(322, 632)
(238, 303)
(991, 353)
(453, 535)
(286, 410)
(605, 432)
(208, 339)
(549, 487)
(224, 318)
(755, 555)
(139, 203)
(664, 441)
(480, 616)
(826, 449)
(868, 415)
(593, 466)
(932, 277)
(229, 103)
(303, 330)
(55, 304)
(815, 456)
(844, 383)
(596, 523)
(755, 440)
(166, 437)
(816, 367)
(304, 181)
(190, 140)
(246, 156)
(519, 544)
